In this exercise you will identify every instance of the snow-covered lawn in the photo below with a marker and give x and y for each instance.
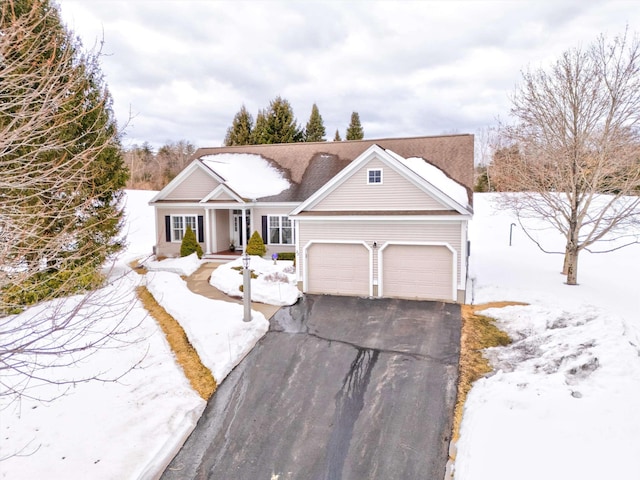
(275, 285)
(564, 401)
(131, 428)
(563, 404)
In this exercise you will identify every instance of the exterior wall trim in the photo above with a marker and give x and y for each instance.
(385, 218)
(310, 243)
(454, 265)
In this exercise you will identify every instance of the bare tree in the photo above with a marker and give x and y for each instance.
(57, 142)
(574, 149)
(152, 171)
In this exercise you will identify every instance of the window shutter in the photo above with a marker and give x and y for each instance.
(265, 230)
(167, 228)
(200, 228)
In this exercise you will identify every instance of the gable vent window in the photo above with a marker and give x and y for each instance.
(374, 176)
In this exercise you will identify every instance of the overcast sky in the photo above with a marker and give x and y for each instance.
(182, 69)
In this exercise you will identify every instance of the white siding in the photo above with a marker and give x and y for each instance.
(171, 249)
(394, 193)
(259, 212)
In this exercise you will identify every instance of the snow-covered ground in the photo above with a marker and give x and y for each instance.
(128, 429)
(562, 405)
(564, 401)
(275, 285)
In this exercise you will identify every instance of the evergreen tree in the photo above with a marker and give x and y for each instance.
(62, 168)
(277, 124)
(337, 137)
(190, 244)
(61, 175)
(239, 133)
(315, 131)
(260, 133)
(256, 245)
(355, 132)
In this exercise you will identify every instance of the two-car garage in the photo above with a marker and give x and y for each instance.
(425, 271)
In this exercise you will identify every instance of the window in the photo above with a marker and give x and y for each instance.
(179, 224)
(280, 230)
(374, 175)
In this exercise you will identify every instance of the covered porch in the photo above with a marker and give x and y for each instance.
(226, 231)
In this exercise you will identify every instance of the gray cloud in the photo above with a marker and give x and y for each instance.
(184, 68)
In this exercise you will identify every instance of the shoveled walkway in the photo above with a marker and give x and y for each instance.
(198, 282)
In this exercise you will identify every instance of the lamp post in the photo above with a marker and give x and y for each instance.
(246, 287)
(511, 232)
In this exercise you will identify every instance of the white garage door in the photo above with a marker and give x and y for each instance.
(417, 272)
(338, 269)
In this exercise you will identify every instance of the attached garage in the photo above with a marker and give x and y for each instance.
(417, 272)
(339, 269)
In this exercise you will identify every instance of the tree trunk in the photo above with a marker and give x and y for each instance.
(565, 265)
(571, 259)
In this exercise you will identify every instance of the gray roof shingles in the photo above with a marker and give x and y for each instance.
(308, 166)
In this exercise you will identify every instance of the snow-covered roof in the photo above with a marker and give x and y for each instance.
(435, 177)
(251, 176)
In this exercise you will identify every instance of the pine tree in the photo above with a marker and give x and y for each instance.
(61, 178)
(277, 124)
(337, 137)
(190, 244)
(355, 132)
(256, 245)
(260, 133)
(315, 131)
(62, 168)
(239, 133)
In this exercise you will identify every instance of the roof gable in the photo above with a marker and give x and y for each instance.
(406, 188)
(222, 193)
(193, 183)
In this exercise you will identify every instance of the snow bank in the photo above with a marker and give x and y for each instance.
(214, 327)
(273, 286)
(139, 229)
(103, 430)
(182, 266)
(563, 403)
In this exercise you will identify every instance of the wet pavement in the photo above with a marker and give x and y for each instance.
(339, 388)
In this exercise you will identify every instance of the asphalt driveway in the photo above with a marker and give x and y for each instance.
(340, 388)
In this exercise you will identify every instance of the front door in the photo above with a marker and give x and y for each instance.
(238, 237)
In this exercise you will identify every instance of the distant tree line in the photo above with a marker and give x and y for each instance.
(152, 170)
(149, 170)
(277, 124)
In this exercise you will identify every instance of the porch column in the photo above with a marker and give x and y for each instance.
(207, 231)
(245, 241)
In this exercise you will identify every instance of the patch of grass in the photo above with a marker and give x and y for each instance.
(198, 375)
(136, 267)
(478, 332)
(240, 270)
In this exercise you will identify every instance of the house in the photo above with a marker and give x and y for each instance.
(378, 218)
